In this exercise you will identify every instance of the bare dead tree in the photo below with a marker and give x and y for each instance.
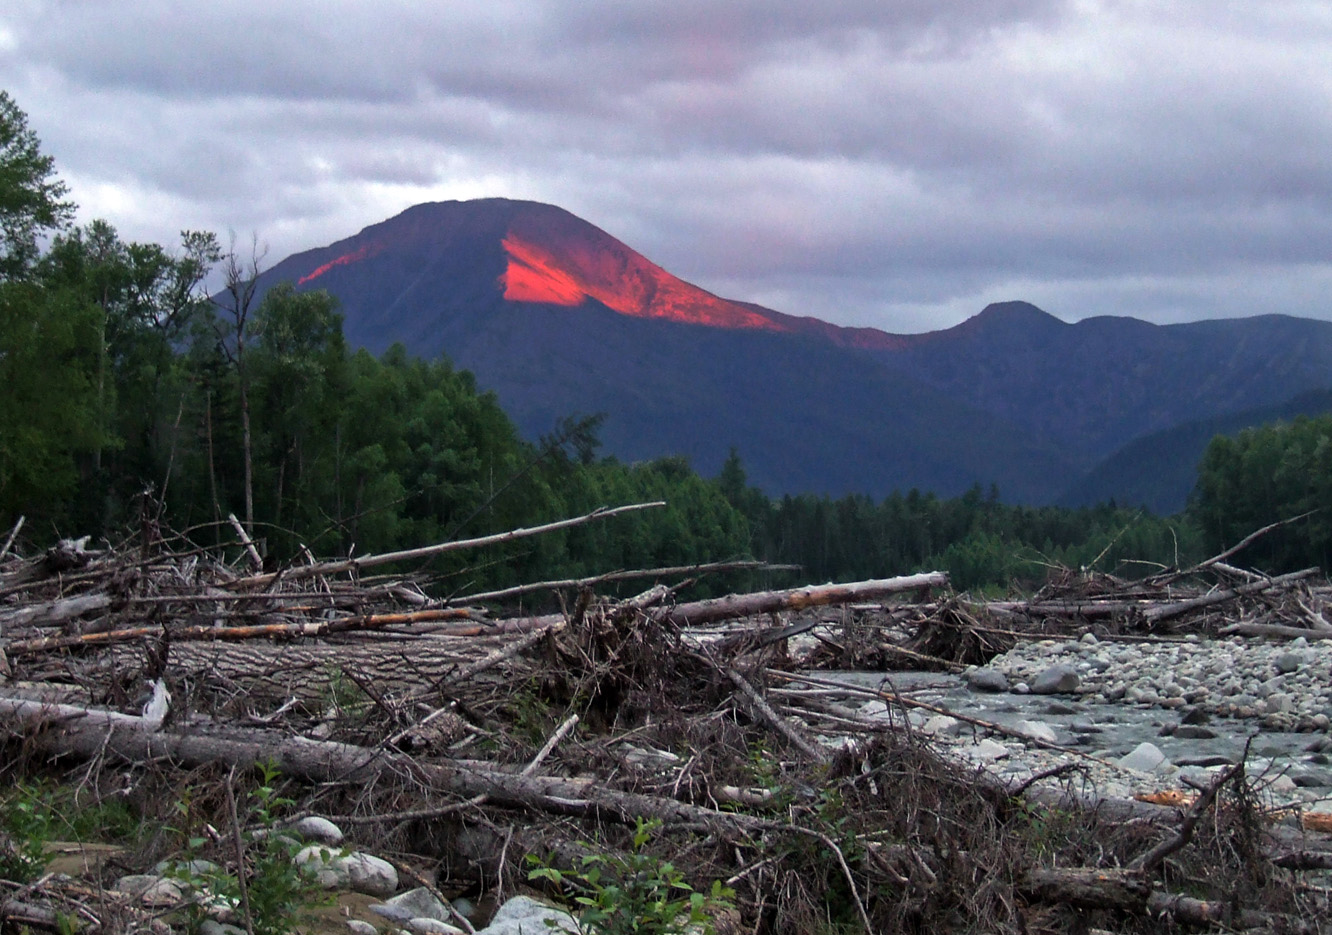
(241, 282)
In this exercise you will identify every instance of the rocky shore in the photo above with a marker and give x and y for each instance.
(1139, 717)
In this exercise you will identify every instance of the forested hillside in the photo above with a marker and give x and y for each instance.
(133, 398)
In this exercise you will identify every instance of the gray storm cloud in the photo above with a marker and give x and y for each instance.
(897, 165)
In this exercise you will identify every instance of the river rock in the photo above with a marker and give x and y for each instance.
(986, 679)
(985, 751)
(1057, 679)
(420, 903)
(319, 830)
(1206, 760)
(392, 913)
(1145, 757)
(363, 873)
(192, 868)
(1194, 716)
(941, 725)
(214, 927)
(1310, 778)
(424, 926)
(523, 915)
(1038, 730)
(1287, 663)
(1194, 732)
(151, 888)
(361, 927)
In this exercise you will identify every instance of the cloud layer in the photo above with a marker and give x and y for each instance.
(896, 165)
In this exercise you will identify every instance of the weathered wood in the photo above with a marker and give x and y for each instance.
(52, 613)
(1167, 611)
(1275, 630)
(775, 720)
(280, 670)
(247, 542)
(1087, 609)
(1149, 861)
(430, 551)
(608, 577)
(262, 631)
(65, 729)
(13, 534)
(732, 606)
(1217, 560)
(1088, 887)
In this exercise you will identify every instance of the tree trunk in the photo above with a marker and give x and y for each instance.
(65, 729)
(766, 602)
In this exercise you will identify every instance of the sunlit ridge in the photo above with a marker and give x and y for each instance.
(346, 258)
(568, 274)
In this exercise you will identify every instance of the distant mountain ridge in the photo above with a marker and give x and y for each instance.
(558, 317)
(1158, 470)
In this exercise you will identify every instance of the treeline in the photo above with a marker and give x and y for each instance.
(977, 539)
(1264, 475)
(133, 398)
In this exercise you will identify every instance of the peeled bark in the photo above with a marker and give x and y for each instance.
(732, 606)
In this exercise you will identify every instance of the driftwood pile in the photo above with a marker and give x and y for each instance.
(463, 739)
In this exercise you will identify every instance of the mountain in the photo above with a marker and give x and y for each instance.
(558, 317)
(1088, 388)
(436, 264)
(1158, 471)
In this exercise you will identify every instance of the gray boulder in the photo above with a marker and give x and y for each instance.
(1145, 758)
(360, 872)
(1038, 730)
(424, 926)
(523, 915)
(419, 903)
(987, 680)
(320, 830)
(1057, 679)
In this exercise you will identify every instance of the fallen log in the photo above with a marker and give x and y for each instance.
(261, 631)
(51, 613)
(88, 732)
(732, 606)
(1275, 630)
(776, 721)
(1167, 611)
(280, 670)
(612, 576)
(1128, 891)
(1219, 559)
(430, 551)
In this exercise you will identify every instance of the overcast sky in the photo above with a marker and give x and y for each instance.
(895, 163)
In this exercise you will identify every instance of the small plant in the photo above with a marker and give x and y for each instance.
(32, 814)
(25, 828)
(276, 890)
(638, 894)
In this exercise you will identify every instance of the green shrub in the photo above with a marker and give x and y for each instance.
(637, 894)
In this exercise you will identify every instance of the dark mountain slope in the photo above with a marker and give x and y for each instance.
(559, 318)
(805, 416)
(1092, 386)
(1159, 470)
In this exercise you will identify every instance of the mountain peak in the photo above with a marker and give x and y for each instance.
(501, 251)
(531, 253)
(555, 258)
(1016, 313)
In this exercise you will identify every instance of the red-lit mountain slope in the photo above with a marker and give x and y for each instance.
(558, 317)
(541, 254)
